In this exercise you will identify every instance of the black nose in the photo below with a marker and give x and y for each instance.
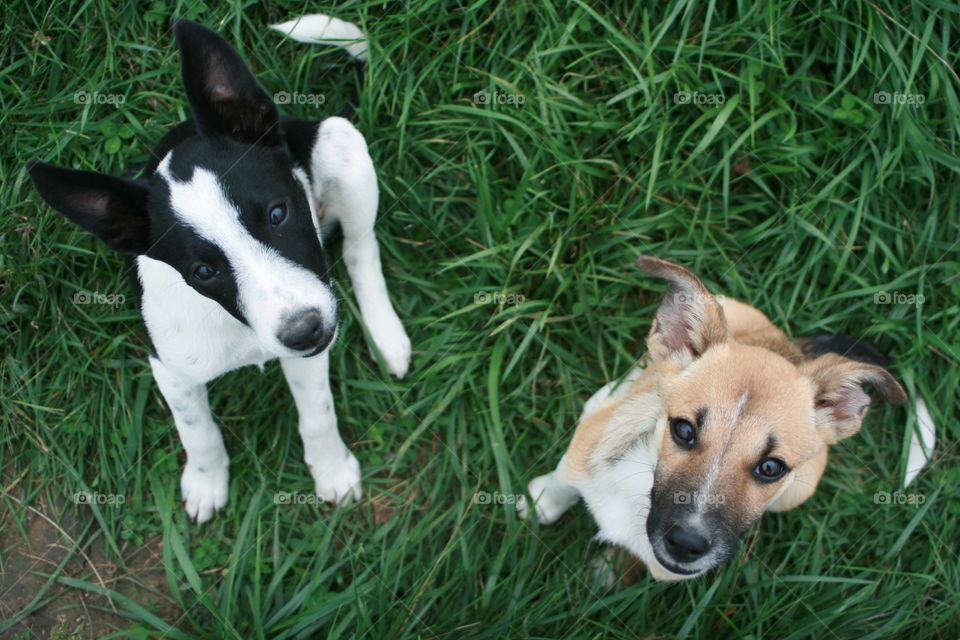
(685, 545)
(304, 331)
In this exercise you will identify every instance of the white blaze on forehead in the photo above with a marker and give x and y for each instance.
(269, 286)
(202, 205)
(736, 415)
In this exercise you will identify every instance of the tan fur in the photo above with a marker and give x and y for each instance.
(596, 432)
(754, 384)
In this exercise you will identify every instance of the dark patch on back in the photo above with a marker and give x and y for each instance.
(300, 136)
(815, 346)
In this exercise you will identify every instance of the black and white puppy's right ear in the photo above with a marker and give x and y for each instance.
(224, 95)
(111, 208)
(690, 319)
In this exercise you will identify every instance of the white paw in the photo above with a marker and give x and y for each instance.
(392, 343)
(340, 483)
(204, 489)
(551, 502)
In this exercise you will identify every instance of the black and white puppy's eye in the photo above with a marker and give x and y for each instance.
(770, 470)
(204, 272)
(684, 433)
(277, 213)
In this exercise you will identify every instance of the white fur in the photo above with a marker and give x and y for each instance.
(618, 493)
(922, 442)
(196, 340)
(322, 29)
(347, 187)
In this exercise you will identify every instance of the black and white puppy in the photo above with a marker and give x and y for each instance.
(227, 225)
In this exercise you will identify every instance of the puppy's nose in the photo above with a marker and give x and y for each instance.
(304, 331)
(686, 545)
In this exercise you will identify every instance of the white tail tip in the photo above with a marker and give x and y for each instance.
(323, 29)
(922, 442)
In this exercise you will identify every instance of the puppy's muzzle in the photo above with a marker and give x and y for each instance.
(686, 544)
(304, 331)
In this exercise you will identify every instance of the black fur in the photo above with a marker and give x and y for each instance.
(815, 346)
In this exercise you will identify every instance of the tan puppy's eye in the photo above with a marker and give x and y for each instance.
(684, 433)
(770, 470)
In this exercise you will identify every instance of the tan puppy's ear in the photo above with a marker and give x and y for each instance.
(689, 319)
(840, 402)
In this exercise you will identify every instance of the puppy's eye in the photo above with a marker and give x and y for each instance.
(770, 470)
(204, 272)
(277, 214)
(684, 433)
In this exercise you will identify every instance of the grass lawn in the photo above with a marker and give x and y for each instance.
(801, 156)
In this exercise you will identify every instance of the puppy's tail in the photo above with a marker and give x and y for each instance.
(319, 28)
(924, 437)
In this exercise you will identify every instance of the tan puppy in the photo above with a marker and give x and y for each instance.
(727, 419)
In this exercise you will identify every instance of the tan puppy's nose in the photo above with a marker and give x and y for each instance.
(686, 544)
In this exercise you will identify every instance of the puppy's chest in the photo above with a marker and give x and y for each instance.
(191, 333)
(619, 493)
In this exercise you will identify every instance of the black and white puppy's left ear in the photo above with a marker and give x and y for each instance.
(113, 209)
(224, 95)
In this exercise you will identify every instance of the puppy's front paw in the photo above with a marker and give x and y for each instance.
(204, 490)
(552, 501)
(392, 343)
(338, 483)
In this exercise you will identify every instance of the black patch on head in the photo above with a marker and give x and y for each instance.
(180, 247)
(253, 178)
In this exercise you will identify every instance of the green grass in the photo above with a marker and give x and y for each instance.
(797, 193)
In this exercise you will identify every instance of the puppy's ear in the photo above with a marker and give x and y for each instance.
(689, 320)
(840, 401)
(224, 96)
(112, 208)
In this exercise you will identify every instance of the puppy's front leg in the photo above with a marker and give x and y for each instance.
(552, 495)
(333, 467)
(348, 192)
(205, 480)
